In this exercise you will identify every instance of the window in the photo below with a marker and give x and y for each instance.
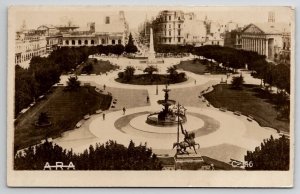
(169, 25)
(119, 41)
(85, 42)
(179, 32)
(170, 33)
(169, 17)
(179, 39)
(165, 25)
(179, 25)
(165, 33)
(102, 41)
(79, 42)
(169, 39)
(178, 18)
(73, 42)
(107, 20)
(67, 42)
(112, 41)
(165, 18)
(92, 42)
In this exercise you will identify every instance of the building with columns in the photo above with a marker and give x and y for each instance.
(265, 38)
(111, 30)
(29, 43)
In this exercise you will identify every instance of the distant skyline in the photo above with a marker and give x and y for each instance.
(136, 15)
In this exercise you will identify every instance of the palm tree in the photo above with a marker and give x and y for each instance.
(129, 72)
(150, 69)
(172, 71)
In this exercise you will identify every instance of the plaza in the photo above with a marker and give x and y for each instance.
(221, 135)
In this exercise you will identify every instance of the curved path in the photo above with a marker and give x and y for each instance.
(232, 129)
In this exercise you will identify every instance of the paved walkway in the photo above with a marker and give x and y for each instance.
(234, 130)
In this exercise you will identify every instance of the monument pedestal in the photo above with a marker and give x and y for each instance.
(188, 161)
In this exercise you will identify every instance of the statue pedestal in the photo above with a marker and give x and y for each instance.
(188, 161)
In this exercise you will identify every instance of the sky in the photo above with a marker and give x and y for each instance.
(36, 16)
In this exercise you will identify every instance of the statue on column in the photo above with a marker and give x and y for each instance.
(188, 142)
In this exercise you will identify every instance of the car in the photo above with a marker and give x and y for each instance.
(99, 111)
(79, 124)
(250, 118)
(86, 117)
(238, 113)
(223, 109)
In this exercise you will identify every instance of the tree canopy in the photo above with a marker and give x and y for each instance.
(273, 154)
(130, 47)
(108, 156)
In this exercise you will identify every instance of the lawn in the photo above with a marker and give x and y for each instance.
(199, 67)
(99, 66)
(65, 109)
(145, 79)
(251, 100)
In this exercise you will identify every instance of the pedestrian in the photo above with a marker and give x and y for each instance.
(104, 86)
(195, 82)
(103, 116)
(147, 99)
(124, 110)
(106, 73)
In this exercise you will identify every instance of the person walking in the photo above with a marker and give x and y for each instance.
(104, 86)
(124, 110)
(147, 99)
(103, 115)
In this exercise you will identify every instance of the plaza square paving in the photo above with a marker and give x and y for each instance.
(227, 136)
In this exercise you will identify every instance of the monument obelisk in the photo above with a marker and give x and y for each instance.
(151, 53)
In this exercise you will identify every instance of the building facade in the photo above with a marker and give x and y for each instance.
(111, 30)
(179, 28)
(29, 44)
(266, 38)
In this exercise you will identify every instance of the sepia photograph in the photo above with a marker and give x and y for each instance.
(157, 96)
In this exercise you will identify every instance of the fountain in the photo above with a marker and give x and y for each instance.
(168, 116)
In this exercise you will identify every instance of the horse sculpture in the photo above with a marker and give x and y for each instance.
(189, 141)
(183, 145)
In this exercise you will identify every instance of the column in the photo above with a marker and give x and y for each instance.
(267, 48)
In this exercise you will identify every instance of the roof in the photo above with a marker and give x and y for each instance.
(271, 28)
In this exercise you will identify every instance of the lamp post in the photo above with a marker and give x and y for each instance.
(156, 82)
(178, 148)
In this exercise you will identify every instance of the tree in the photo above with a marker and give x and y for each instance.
(129, 72)
(43, 118)
(88, 68)
(172, 72)
(108, 156)
(237, 82)
(73, 83)
(130, 47)
(273, 154)
(150, 69)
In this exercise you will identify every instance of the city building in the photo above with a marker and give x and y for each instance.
(179, 28)
(112, 30)
(270, 39)
(233, 38)
(29, 43)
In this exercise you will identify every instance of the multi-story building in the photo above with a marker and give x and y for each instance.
(179, 28)
(270, 39)
(28, 44)
(111, 30)
(233, 38)
(168, 27)
(266, 38)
